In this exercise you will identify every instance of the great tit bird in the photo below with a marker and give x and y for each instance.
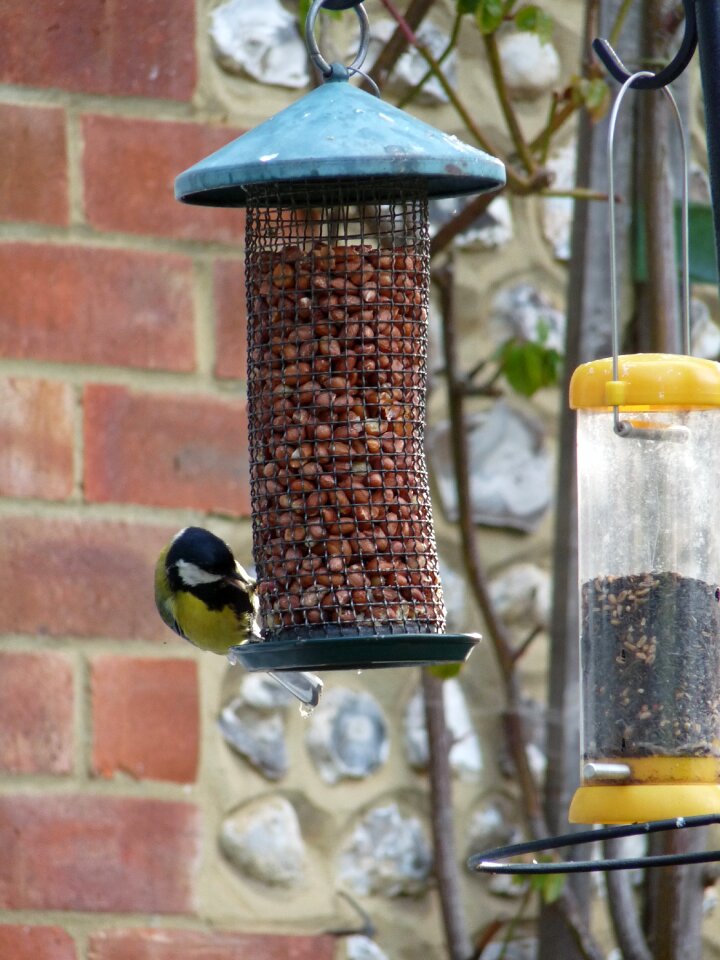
(207, 598)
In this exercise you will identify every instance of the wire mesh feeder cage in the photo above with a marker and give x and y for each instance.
(337, 278)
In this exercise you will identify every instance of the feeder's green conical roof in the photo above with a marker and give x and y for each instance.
(338, 132)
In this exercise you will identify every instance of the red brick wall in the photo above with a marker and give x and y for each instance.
(121, 417)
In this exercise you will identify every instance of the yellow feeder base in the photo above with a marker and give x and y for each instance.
(658, 788)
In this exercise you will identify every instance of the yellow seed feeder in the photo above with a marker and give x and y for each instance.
(648, 454)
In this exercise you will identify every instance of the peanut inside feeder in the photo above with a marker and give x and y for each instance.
(337, 273)
(337, 306)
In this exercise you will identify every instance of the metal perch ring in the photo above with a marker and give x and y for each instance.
(489, 862)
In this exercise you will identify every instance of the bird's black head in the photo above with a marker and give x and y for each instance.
(197, 557)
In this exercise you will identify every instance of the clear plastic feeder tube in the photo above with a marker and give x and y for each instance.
(649, 575)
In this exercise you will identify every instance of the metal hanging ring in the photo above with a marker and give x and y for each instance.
(621, 428)
(317, 58)
(670, 72)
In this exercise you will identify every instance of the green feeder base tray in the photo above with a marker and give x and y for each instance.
(355, 651)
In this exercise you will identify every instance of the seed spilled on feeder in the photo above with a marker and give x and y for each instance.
(652, 666)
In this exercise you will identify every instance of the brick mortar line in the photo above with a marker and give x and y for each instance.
(122, 788)
(209, 105)
(172, 649)
(203, 319)
(84, 718)
(133, 107)
(136, 378)
(75, 148)
(80, 717)
(137, 513)
(205, 106)
(78, 451)
(79, 923)
(83, 235)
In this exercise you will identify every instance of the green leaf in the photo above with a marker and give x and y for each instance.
(489, 15)
(446, 671)
(533, 19)
(596, 93)
(597, 98)
(548, 885)
(304, 9)
(467, 6)
(593, 94)
(529, 366)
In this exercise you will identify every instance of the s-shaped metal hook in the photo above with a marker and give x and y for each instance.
(668, 73)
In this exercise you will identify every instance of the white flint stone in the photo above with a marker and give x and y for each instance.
(358, 947)
(264, 693)
(625, 848)
(257, 735)
(492, 229)
(525, 948)
(537, 761)
(522, 592)
(347, 737)
(411, 67)
(699, 184)
(530, 66)
(436, 359)
(504, 885)
(490, 826)
(557, 212)
(465, 753)
(387, 854)
(263, 840)
(710, 901)
(705, 335)
(261, 39)
(454, 587)
(510, 468)
(525, 311)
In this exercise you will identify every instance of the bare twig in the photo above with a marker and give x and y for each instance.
(496, 630)
(367, 929)
(520, 183)
(623, 910)
(617, 26)
(461, 221)
(486, 937)
(522, 649)
(398, 42)
(579, 193)
(513, 125)
(558, 117)
(446, 866)
(449, 47)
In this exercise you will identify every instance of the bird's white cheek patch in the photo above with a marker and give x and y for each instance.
(192, 575)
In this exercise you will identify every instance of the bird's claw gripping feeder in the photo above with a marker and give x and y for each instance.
(337, 274)
(648, 462)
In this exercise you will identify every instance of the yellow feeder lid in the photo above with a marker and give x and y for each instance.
(646, 380)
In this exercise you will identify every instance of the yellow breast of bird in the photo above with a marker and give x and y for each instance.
(215, 630)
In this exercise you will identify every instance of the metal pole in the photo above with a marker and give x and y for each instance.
(707, 13)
